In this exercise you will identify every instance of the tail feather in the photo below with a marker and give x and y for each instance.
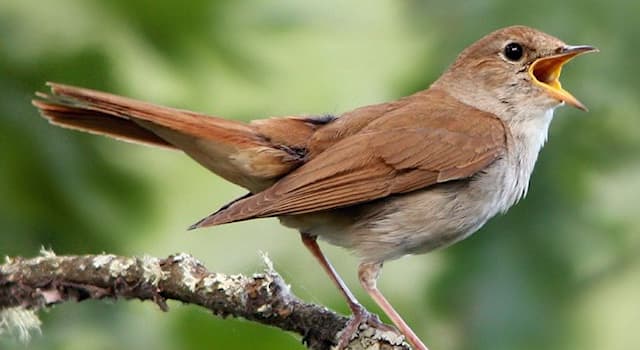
(253, 156)
(187, 122)
(98, 123)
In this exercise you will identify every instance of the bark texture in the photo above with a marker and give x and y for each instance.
(46, 280)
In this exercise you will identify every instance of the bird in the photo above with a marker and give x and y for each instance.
(385, 180)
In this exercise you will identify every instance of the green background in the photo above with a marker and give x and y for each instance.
(559, 271)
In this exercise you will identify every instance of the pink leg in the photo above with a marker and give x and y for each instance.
(360, 314)
(368, 274)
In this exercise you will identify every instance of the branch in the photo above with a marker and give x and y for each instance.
(33, 284)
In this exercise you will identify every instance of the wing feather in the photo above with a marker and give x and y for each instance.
(372, 165)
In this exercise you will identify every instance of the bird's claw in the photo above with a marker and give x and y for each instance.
(360, 316)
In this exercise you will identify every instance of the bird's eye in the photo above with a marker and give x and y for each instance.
(513, 51)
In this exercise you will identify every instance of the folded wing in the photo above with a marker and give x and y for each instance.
(372, 165)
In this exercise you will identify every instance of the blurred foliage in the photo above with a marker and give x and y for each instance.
(559, 271)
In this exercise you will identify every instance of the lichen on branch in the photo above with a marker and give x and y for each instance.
(32, 284)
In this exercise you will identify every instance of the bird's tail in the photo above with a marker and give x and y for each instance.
(239, 152)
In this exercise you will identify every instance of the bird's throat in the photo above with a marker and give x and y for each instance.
(528, 135)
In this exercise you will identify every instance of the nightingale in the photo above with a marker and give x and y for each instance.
(385, 180)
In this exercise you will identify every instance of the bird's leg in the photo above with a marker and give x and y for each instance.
(360, 314)
(368, 274)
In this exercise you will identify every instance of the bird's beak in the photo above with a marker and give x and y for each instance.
(545, 72)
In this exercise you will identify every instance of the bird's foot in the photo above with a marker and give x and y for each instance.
(360, 316)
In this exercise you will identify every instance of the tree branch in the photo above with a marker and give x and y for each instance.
(33, 284)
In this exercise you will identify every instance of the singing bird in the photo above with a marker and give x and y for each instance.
(385, 180)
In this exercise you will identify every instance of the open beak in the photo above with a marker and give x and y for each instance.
(545, 72)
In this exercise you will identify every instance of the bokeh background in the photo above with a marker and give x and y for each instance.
(560, 271)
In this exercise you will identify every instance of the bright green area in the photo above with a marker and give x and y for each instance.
(560, 271)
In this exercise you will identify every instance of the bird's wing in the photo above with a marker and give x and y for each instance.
(372, 165)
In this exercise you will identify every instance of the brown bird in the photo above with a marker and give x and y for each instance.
(384, 180)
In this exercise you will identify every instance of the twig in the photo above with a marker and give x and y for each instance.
(33, 284)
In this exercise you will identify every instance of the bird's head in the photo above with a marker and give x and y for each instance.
(513, 72)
